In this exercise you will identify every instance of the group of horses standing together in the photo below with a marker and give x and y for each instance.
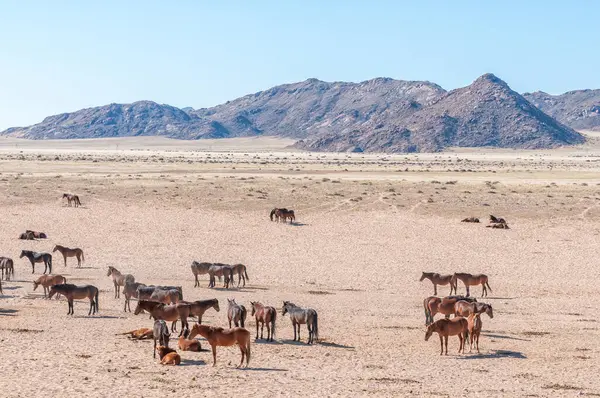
(466, 323)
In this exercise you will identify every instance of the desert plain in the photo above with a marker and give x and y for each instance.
(367, 226)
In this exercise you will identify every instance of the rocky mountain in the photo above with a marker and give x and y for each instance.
(577, 109)
(382, 114)
(485, 113)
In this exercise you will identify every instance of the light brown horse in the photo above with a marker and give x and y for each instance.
(465, 308)
(224, 338)
(472, 280)
(8, 265)
(438, 279)
(67, 252)
(434, 305)
(199, 307)
(170, 313)
(47, 281)
(119, 279)
(449, 327)
(474, 326)
(264, 315)
(186, 344)
(72, 199)
(138, 334)
(72, 292)
(168, 356)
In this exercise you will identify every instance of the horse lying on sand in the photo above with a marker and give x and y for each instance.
(185, 344)
(449, 327)
(224, 337)
(498, 226)
(470, 219)
(168, 356)
(72, 292)
(138, 334)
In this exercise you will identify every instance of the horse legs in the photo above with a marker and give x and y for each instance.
(477, 340)
(243, 350)
(71, 311)
(230, 323)
(91, 307)
(197, 282)
(174, 326)
(65, 258)
(468, 290)
(268, 330)
(78, 261)
(460, 344)
(262, 328)
(298, 325)
(214, 352)
(256, 330)
(441, 344)
(435, 289)
(310, 333)
(294, 326)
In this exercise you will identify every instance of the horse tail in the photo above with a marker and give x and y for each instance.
(246, 273)
(248, 352)
(96, 298)
(243, 315)
(272, 213)
(273, 319)
(82, 256)
(316, 326)
(488, 286)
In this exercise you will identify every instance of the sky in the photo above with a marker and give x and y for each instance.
(60, 56)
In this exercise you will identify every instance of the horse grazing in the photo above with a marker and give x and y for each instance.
(170, 296)
(224, 338)
(67, 252)
(472, 280)
(185, 344)
(170, 313)
(236, 313)
(199, 307)
(449, 327)
(160, 332)
(8, 265)
(438, 279)
(138, 334)
(119, 279)
(72, 199)
(497, 220)
(264, 315)
(274, 213)
(130, 290)
(240, 269)
(474, 326)
(35, 257)
(301, 316)
(284, 214)
(47, 281)
(470, 219)
(168, 356)
(220, 270)
(434, 305)
(72, 292)
(465, 308)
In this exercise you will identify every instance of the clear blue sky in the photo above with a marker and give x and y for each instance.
(60, 56)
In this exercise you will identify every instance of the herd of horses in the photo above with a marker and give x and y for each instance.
(466, 310)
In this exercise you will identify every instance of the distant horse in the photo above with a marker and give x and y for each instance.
(129, 291)
(449, 327)
(274, 213)
(472, 280)
(67, 252)
(8, 265)
(170, 296)
(470, 219)
(301, 316)
(240, 269)
(474, 325)
(139, 334)
(47, 281)
(434, 305)
(145, 292)
(35, 257)
(224, 337)
(72, 198)
(284, 214)
(236, 313)
(36, 234)
(497, 220)
(220, 270)
(119, 279)
(160, 332)
(199, 269)
(27, 236)
(199, 307)
(72, 292)
(438, 279)
(498, 226)
(264, 315)
(465, 308)
(170, 313)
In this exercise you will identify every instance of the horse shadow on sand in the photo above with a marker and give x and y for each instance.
(193, 362)
(321, 343)
(299, 224)
(494, 354)
(7, 312)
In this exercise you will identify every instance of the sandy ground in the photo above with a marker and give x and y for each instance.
(367, 226)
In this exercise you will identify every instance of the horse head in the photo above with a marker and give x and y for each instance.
(422, 276)
(23, 254)
(55, 248)
(110, 270)
(35, 285)
(489, 310)
(429, 331)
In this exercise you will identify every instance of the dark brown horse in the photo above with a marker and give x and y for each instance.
(72, 292)
(438, 279)
(170, 313)
(264, 315)
(199, 307)
(8, 265)
(284, 214)
(130, 290)
(35, 257)
(465, 308)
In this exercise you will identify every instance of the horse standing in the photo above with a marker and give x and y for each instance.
(131, 290)
(264, 315)
(72, 292)
(35, 257)
(8, 265)
(472, 280)
(236, 313)
(220, 270)
(224, 338)
(284, 214)
(433, 305)
(240, 269)
(72, 199)
(170, 313)
(199, 269)
(449, 327)
(301, 316)
(161, 333)
(119, 279)
(438, 279)
(474, 325)
(465, 308)
(199, 307)
(68, 252)
(47, 281)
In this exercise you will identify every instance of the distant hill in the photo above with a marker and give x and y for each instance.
(577, 109)
(378, 115)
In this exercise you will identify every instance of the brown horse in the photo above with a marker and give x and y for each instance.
(498, 226)
(169, 313)
(465, 308)
(130, 290)
(470, 219)
(199, 269)
(284, 214)
(8, 265)
(199, 307)
(72, 199)
(168, 356)
(27, 236)
(497, 220)
(438, 279)
(185, 344)
(36, 234)
(67, 252)
(474, 326)
(224, 338)
(47, 281)
(138, 334)
(220, 270)
(72, 292)
(472, 280)
(236, 313)
(449, 327)
(240, 269)
(434, 305)
(264, 315)
(119, 279)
